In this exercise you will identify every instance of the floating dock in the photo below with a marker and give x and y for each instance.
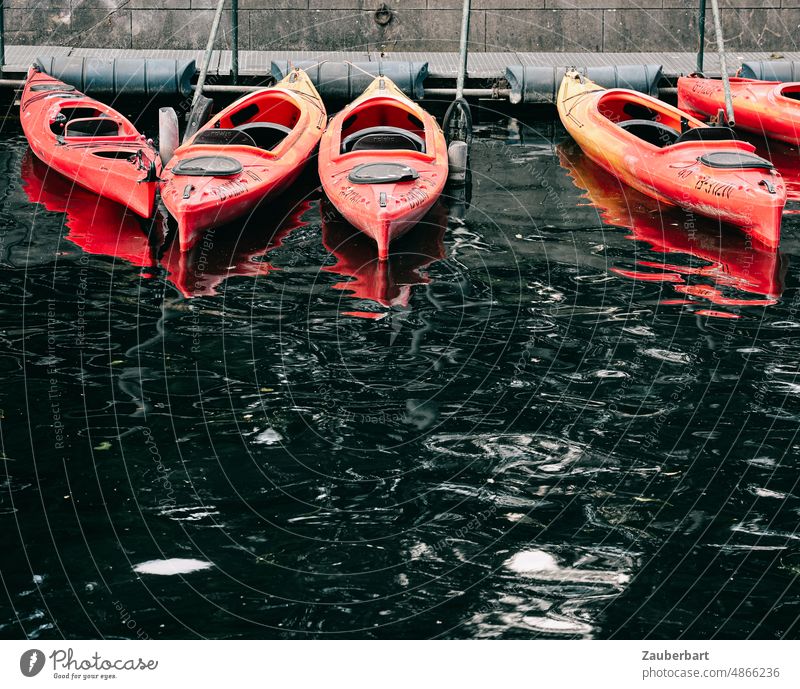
(485, 68)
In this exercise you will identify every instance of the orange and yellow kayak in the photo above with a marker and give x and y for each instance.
(251, 151)
(768, 108)
(383, 163)
(674, 157)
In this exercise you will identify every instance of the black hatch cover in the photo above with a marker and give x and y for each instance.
(735, 160)
(208, 166)
(382, 173)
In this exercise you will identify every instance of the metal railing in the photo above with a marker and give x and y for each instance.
(235, 41)
(701, 30)
(2, 36)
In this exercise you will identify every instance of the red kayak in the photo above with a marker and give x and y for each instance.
(383, 163)
(673, 157)
(388, 282)
(89, 142)
(769, 108)
(251, 151)
(731, 262)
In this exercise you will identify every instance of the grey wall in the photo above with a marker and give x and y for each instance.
(497, 25)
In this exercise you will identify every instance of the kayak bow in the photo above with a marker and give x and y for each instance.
(383, 163)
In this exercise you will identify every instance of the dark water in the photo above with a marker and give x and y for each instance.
(548, 419)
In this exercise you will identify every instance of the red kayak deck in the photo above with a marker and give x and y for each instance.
(383, 163)
(251, 151)
(89, 143)
(768, 108)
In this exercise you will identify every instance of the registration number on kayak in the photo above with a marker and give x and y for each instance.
(713, 188)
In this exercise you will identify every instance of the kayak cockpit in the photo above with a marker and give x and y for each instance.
(657, 127)
(382, 125)
(790, 91)
(85, 122)
(262, 123)
(263, 135)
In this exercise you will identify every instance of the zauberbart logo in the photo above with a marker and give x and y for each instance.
(31, 662)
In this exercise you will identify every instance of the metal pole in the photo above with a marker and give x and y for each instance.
(2, 36)
(723, 65)
(235, 40)
(209, 49)
(701, 28)
(462, 66)
(494, 94)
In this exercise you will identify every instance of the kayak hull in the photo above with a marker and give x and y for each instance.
(383, 210)
(751, 198)
(119, 164)
(257, 174)
(768, 108)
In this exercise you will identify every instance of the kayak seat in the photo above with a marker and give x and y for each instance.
(383, 139)
(266, 135)
(92, 126)
(707, 134)
(652, 132)
(223, 137)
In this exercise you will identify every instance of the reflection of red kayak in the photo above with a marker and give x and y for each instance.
(388, 282)
(247, 154)
(733, 262)
(95, 224)
(383, 163)
(236, 250)
(102, 227)
(89, 143)
(768, 108)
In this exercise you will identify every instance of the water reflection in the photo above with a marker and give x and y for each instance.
(387, 283)
(101, 227)
(95, 224)
(729, 260)
(523, 447)
(239, 249)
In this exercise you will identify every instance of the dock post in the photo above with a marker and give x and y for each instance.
(207, 56)
(235, 41)
(723, 64)
(2, 37)
(462, 58)
(701, 29)
(201, 105)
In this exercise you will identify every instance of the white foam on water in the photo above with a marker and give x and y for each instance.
(269, 437)
(175, 565)
(532, 561)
